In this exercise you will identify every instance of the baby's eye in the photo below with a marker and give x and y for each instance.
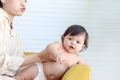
(70, 38)
(78, 42)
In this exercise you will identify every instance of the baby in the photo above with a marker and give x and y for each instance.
(74, 40)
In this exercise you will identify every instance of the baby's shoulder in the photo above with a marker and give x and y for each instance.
(54, 44)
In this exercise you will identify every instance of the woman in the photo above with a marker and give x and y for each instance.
(11, 46)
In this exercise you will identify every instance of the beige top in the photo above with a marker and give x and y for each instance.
(11, 47)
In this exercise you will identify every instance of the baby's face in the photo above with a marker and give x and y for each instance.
(74, 44)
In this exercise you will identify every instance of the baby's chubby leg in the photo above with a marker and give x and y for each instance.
(27, 74)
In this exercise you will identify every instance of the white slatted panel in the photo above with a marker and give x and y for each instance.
(46, 20)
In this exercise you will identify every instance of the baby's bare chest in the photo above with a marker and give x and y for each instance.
(68, 59)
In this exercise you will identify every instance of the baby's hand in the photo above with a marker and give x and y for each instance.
(59, 56)
(53, 51)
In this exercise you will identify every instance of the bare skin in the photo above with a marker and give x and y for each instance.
(61, 56)
(55, 69)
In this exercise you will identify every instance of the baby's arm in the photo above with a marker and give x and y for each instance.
(49, 53)
(54, 50)
(27, 74)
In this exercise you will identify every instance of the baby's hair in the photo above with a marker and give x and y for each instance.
(75, 30)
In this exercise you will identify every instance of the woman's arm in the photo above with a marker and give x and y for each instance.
(48, 54)
(30, 59)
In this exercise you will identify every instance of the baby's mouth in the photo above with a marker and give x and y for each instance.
(71, 47)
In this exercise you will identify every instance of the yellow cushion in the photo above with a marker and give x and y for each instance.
(78, 72)
(29, 53)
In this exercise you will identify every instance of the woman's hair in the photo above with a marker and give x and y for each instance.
(1, 4)
(75, 30)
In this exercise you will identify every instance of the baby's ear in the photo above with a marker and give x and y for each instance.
(62, 38)
(83, 47)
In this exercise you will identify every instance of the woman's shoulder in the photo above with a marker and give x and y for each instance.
(2, 13)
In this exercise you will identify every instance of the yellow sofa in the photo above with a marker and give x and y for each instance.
(76, 72)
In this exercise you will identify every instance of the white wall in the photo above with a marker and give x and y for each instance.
(45, 21)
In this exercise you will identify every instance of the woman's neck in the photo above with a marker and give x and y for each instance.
(10, 19)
